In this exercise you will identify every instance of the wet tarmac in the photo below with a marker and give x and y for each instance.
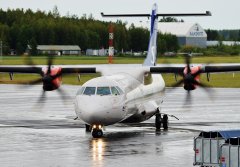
(47, 135)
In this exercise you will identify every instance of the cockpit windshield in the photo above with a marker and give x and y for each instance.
(89, 91)
(102, 91)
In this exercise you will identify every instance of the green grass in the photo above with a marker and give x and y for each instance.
(66, 60)
(216, 80)
(73, 60)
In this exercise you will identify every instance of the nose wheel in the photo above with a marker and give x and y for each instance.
(97, 131)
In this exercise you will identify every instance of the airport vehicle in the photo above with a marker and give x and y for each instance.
(209, 147)
(230, 153)
(120, 95)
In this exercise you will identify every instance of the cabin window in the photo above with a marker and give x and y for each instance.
(115, 91)
(89, 91)
(103, 91)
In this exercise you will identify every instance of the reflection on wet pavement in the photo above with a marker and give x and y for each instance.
(98, 149)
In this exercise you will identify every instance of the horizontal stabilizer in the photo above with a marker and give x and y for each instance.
(125, 15)
(208, 13)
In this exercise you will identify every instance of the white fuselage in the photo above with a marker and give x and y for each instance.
(134, 102)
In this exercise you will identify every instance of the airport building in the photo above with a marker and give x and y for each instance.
(57, 49)
(187, 33)
(97, 52)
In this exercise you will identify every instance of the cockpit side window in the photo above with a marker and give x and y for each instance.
(115, 91)
(120, 90)
(80, 91)
(103, 91)
(89, 91)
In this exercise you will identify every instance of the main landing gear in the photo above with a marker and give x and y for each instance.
(161, 121)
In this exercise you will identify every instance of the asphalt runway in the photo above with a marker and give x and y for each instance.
(37, 134)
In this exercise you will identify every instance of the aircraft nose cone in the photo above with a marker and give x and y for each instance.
(98, 110)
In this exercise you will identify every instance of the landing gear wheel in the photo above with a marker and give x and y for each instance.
(158, 121)
(97, 133)
(165, 122)
(88, 128)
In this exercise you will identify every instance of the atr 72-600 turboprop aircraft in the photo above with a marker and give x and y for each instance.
(120, 94)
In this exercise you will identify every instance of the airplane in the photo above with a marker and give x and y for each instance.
(121, 94)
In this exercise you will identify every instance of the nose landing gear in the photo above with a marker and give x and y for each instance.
(97, 131)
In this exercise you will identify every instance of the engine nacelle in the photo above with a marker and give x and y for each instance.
(190, 79)
(53, 80)
(147, 108)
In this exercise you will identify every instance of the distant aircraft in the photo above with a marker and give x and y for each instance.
(120, 95)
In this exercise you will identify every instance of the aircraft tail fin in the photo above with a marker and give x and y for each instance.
(152, 45)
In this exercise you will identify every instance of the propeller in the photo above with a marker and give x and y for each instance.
(190, 78)
(47, 79)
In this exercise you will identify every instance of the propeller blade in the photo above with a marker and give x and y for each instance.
(200, 84)
(34, 82)
(28, 84)
(50, 61)
(187, 61)
(188, 98)
(39, 103)
(205, 87)
(64, 95)
(3, 81)
(178, 83)
(42, 98)
(29, 61)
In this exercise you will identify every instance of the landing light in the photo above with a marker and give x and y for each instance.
(97, 126)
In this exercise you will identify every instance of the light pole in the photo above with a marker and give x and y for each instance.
(1, 51)
(111, 47)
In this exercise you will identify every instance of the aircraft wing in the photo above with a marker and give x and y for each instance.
(38, 70)
(99, 68)
(203, 69)
(16, 69)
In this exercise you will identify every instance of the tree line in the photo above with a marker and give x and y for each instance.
(19, 28)
(223, 35)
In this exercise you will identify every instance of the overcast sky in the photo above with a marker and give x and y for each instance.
(225, 13)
